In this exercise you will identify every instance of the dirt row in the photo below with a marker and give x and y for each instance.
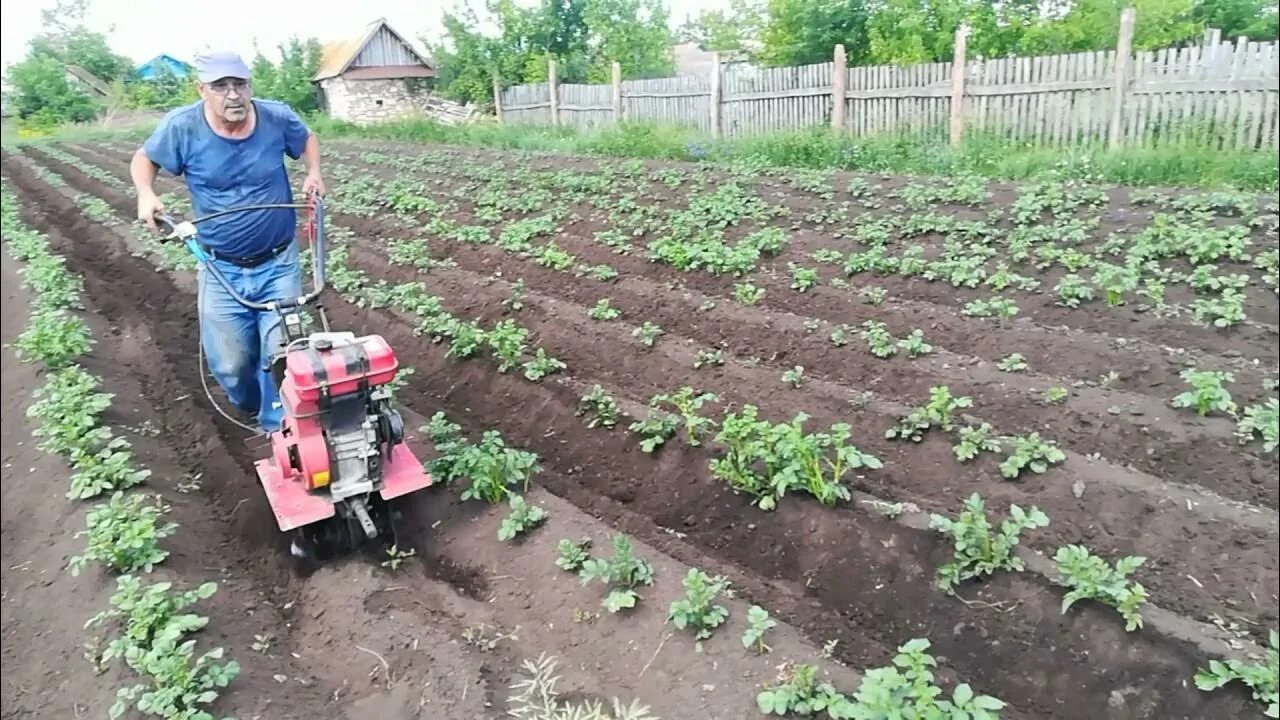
(827, 575)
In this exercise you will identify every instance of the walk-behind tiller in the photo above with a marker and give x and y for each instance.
(339, 456)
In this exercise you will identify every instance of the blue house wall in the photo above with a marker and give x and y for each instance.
(151, 68)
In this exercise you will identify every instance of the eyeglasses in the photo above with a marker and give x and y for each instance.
(223, 87)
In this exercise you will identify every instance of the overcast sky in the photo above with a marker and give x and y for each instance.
(142, 29)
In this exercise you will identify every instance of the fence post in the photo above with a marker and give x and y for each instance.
(957, 85)
(715, 95)
(553, 91)
(839, 77)
(617, 93)
(1124, 58)
(497, 97)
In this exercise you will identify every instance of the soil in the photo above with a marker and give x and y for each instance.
(1180, 493)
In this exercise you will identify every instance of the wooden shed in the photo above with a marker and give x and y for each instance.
(374, 76)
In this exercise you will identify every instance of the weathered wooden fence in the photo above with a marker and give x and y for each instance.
(1219, 94)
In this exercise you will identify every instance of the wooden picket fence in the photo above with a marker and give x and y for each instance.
(1215, 94)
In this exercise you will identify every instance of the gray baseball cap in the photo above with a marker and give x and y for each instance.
(221, 64)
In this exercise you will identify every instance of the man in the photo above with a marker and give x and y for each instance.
(230, 149)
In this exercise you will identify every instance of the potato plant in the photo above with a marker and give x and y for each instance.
(522, 518)
(1092, 578)
(1207, 394)
(979, 549)
(1261, 678)
(622, 573)
(696, 611)
(124, 534)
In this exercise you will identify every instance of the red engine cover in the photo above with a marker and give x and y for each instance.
(340, 368)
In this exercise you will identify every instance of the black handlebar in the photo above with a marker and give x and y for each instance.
(187, 233)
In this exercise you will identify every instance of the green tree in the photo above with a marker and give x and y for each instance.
(633, 33)
(290, 80)
(583, 36)
(1095, 25)
(1254, 19)
(64, 35)
(44, 98)
(718, 30)
(915, 31)
(801, 32)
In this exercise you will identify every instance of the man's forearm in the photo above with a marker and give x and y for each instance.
(143, 172)
(311, 155)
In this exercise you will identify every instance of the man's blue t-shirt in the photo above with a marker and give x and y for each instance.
(223, 173)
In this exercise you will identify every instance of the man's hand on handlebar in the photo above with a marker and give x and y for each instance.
(149, 207)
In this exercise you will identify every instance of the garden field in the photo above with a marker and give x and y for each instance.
(1025, 431)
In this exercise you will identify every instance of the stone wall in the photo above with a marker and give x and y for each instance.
(370, 101)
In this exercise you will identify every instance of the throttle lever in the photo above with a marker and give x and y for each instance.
(180, 230)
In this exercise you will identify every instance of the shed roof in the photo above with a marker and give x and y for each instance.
(337, 57)
(93, 82)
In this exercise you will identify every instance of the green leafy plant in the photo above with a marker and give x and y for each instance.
(797, 690)
(1091, 578)
(54, 338)
(124, 535)
(622, 574)
(767, 460)
(1032, 453)
(747, 294)
(938, 411)
(975, 440)
(873, 295)
(149, 612)
(794, 377)
(990, 307)
(758, 624)
(878, 339)
(572, 554)
(541, 365)
(655, 429)
(603, 310)
(179, 682)
(688, 405)
(696, 611)
(522, 518)
(1264, 420)
(647, 333)
(906, 689)
(914, 344)
(840, 335)
(507, 341)
(601, 407)
(708, 357)
(396, 556)
(492, 466)
(978, 550)
(1012, 363)
(103, 466)
(1055, 395)
(802, 278)
(1207, 394)
(1260, 678)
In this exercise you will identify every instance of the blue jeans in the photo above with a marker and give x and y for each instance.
(238, 342)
